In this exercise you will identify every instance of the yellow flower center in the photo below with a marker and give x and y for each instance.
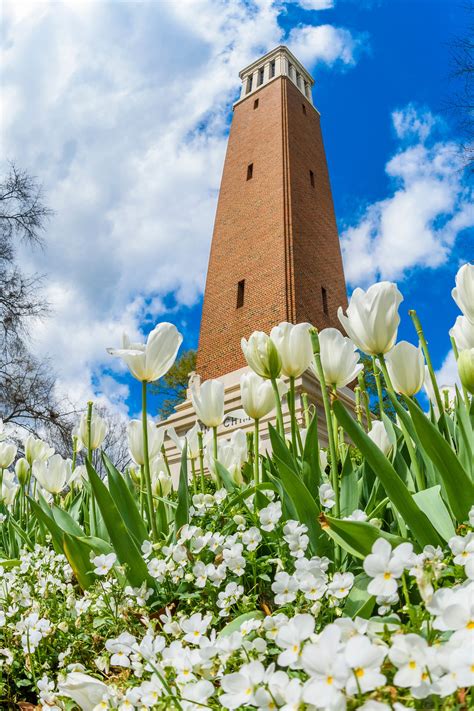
(329, 679)
(470, 625)
(359, 672)
(296, 647)
(412, 664)
(387, 575)
(248, 691)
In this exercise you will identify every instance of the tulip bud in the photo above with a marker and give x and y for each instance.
(135, 440)
(294, 347)
(372, 317)
(258, 398)
(262, 355)
(161, 483)
(463, 293)
(406, 367)
(37, 450)
(208, 402)
(339, 358)
(378, 435)
(21, 470)
(7, 454)
(98, 431)
(466, 369)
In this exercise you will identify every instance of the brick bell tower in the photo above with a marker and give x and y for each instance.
(275, 253)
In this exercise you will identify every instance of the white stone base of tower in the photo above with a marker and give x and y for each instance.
(184, 416)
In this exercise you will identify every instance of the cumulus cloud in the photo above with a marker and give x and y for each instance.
(121, 110)
(315, 4)
(418, 223)
(326, 43)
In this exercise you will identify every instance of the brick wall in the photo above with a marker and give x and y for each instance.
(275, 231)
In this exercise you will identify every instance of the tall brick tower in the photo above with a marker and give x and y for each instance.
(275, 253)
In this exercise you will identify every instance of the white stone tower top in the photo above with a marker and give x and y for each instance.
(279, 62)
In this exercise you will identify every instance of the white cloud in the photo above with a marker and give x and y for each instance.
(417, 225)
(448, 373)
(327, 44)
(121, 110)
(315, 4)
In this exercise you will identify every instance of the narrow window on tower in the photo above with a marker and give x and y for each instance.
(240, 293)
(249, 84)
(250, 171)
(304, 108)
(324, 295)
(255, 104)
(311, 177)
(260, 76)
(272, 69)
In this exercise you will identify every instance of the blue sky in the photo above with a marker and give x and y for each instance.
(122, 110)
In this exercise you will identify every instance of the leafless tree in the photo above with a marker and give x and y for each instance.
(461, 101)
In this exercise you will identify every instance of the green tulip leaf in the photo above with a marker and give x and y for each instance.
(125, 502)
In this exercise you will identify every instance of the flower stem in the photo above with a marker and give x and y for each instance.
(378, 385)
(201, 461)
(146, 464)
(329, 425)
(279, 412)
(193, 469)
(291, 403)
(256, 457)
(90, 405)
(464, 391)
(215, 452)
(426, 352)
(307, 417)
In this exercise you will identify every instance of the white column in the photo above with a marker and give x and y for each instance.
(266, 72)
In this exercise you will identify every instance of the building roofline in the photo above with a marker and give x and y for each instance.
(274, 52)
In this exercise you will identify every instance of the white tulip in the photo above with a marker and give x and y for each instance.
(232, 454)
(258, 398)
(372, 317)
(78, 476)
(151, 360)
(54, 474)
(406, 368)
(339, 358)
(208, 402)
(262, 355)
(466, 369)
(21, 470)
(190, 438)
(98, 431)
(463, 333)
(8, 490)
(36, 450)
(378, 435)
(161, 482)
(463, 293)
(156, 436)
(85, 690)
(323, 459)
(7, 454)
(294, 347)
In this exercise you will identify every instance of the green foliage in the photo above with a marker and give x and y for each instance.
(171, 389)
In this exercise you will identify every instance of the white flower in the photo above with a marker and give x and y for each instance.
(365, 659)
(53, 474)
(149, 362)
(103, 563)
(270, 516)
(290, 638)
(98, 431)
(384, 568)
(251, 538)
(327, 496)
(453, 609)
(262, 355)
(195, 696)
(36, 450)
(135, 440)
(411, 655)
(324, 662)
(208, 402)
(463, 551)
(240, 687)
(85, 690)
(121, 648)
(340, 585)
(195, 627)
(339, 358)
(294, 347)
(7, 454)
(378, 435)
(406, 368)
(372, 317)
(463, 333)
(258, 398)
(9, 490)
(356, 515)
(285, 588)
(463, 293)
(190, 438)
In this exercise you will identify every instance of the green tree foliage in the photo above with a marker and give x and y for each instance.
(171, 389)
(371, 387)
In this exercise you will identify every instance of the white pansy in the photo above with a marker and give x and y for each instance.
(290, 639)
(327, 496)
(293, 342)
(406, 368)
(339, 358)
(103, 563)
(384, 568)
(151, 360)
(239, 688)
(365, 659)
(372, 317)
